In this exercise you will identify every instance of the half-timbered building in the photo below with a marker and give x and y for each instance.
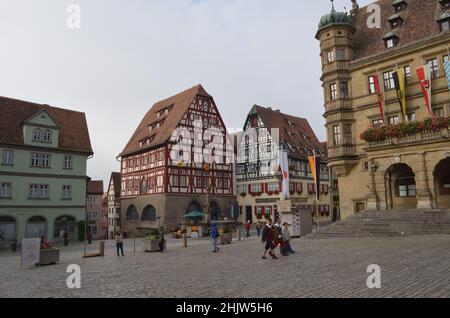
(258, 173)
(176, 162)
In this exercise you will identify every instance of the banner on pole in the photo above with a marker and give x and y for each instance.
(447, 72)
(30, 251)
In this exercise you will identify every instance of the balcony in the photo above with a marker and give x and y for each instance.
(424, 137)
(342, 151)
(335, 66)
(338, 104)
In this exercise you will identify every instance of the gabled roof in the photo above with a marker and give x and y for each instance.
(73, 134)
(115, 179)
(95, 187)
(179, 104)
(294, 131)
(419, 22)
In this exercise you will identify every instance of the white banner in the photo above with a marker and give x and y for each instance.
(30, 251)
(284, 164)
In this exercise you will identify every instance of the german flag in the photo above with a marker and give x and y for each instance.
(400, 87)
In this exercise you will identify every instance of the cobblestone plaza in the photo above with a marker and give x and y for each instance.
(416, 266)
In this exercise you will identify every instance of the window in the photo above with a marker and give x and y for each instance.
(445, 25)
(405, 191)
(344, 90)
(372, 85)
(340, 54)
(388, 78)
(336, 135)
(68, 160)
(273, 187)
(256, 188)
(333, 91)
(411, 117)
(40, 160)
(439, 112)
(7, 159)
(38, 191)
(67, 192)
(390, 43)
(330, 56)
(377, 122)
(5, 190)
(394, 120)
(407, 70)
(242, 189)
(434, 67)
(44, 136)
(446, 58)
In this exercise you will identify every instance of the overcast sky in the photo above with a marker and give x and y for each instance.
(129, 54)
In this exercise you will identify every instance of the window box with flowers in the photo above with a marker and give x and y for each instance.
(390, 133)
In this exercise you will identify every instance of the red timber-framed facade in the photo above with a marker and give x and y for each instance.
(175, 163)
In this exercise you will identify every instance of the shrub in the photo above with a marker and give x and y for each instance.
(81, 230)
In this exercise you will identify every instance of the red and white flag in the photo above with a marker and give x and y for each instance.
(284, 165)
(424, 75)
(379, 89)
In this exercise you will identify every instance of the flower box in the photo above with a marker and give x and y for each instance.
(48, 256)
(152, 245)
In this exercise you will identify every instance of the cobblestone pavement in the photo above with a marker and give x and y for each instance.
(410, 267)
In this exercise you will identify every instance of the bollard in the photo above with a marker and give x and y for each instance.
(102, 248)
(185, 240)
(239, 235)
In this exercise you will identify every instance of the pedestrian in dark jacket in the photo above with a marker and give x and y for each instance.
(119, 243)
(214, 236)
(248, 226)
(268, 236)
(287, 249)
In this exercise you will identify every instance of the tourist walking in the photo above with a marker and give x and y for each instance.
(248, 226)
(278, 235)
(66, 238)
(259, 227)
(268, 236)
(161, 242)
(214, 236)
(119, 243)
(287, 248)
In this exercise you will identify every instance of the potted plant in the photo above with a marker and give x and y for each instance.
(151, 241)
(226, 237)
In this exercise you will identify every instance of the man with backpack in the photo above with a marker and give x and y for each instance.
(268, 236)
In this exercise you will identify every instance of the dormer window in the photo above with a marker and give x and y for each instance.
(399, 5)
(444, 21)
(445, 4)
(43, 136)
(395, 21)
(390, 40)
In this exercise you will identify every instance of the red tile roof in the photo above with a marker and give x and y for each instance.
(180, 104)
(73, 135)
(95, 187)
(419, 22)
(299, 134)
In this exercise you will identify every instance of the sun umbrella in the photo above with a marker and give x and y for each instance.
(194, 215)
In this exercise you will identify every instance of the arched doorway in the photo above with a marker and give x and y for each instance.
(132, 214)
(442, 184)
(7, 228)
(148, 214)
(36, 227)
(65, 223)
(194, 206)
(214, 211)
(401, 187)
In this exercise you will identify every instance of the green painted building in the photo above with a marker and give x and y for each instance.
(44, 152)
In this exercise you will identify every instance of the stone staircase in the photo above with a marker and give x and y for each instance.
(389, 224)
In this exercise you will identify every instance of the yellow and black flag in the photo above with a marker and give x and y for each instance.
(400, 87)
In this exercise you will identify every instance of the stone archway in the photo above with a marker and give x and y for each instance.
(8, 227)
(401, 187)
(214, 210)
(194, 206)
(65, 223)
(36, 227)
(132, 214)
(148, 214)
(441, 176)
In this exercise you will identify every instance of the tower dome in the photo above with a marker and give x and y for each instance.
(335, 18)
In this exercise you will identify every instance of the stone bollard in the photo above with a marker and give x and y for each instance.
(185, 240)
(102, 248)
(239, 235)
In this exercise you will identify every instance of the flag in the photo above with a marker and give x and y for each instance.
(314, 163)
(424, 76)
(284, 165)
(400, 87)
(379, 89)
(447, 71)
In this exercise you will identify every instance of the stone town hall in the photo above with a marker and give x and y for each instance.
(397, 158)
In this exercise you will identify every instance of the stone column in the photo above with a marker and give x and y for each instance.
(424, 196)
(372, 198)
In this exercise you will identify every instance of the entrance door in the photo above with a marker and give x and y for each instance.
(360, 207)
(248, 214)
